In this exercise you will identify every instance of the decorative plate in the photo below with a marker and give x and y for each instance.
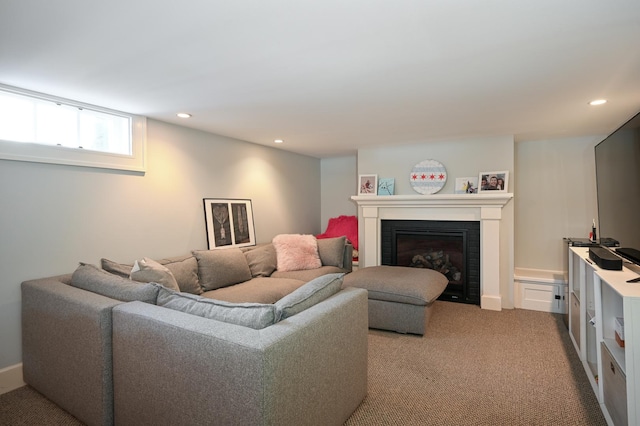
(428, 177)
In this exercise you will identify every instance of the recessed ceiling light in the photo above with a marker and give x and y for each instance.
(183, 115)
(278, 141)
(598, 102)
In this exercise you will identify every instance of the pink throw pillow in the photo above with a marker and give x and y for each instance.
(295, 252)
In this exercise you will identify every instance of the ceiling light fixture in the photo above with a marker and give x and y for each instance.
(183, 115)
(598, 102)
(279, 141)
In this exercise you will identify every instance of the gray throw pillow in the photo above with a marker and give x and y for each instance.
(149, 271)
(331, 251)
(221, 267)
(262, 260)
(253, 315)
(313, 292)
(91, 278)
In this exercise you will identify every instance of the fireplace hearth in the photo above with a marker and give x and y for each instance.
(450, 247)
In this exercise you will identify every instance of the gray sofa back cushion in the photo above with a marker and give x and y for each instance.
(313, 292)
(331, 251)
(222, 267)
(91, 278)
(262, 260)
(184, 269)
(120, 269)
(253, 315)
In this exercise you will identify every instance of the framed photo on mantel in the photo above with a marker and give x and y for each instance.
(229, 223)
(368, 185)
(493, 181)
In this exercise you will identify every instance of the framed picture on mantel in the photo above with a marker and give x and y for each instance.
(493, 181)
(386, 186)
(368, 185)
(229, 223)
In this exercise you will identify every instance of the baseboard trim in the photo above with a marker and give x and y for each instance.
(11, 378)
(492, 303)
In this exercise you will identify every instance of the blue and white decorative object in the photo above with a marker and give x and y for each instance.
(428, 177)
(386, 186)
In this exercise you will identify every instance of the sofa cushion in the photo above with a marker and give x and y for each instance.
(296, 252)
(91, 278)
(256, 290)
(308, 274)
(120, 269)
(253, 315)
(331, 251)
(149, 271)
(399, 284)
(262, 260)
(222, 267)
(311, 293)
(184, 270)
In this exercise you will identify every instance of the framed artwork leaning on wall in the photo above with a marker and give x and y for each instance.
(229, 223)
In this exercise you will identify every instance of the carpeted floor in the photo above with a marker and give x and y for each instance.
(473, 367)
(478, 367)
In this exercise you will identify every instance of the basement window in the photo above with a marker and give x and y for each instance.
(45, 129)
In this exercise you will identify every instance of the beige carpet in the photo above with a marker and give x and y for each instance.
(478, 367)
(473, 367)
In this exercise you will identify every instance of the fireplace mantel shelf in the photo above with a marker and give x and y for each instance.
(460, 200)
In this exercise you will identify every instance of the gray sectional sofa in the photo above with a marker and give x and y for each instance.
(277, 348)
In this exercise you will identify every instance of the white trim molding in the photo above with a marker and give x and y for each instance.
(11, 378)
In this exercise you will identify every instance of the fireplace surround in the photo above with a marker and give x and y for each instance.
(449, 247)
(483, 208)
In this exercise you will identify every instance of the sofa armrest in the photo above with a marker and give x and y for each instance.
(66, 347)
(175, 368)
(348, 257)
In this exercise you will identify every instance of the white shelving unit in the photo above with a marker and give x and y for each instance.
(599, 296)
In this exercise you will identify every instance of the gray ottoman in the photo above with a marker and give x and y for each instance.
(400, 298)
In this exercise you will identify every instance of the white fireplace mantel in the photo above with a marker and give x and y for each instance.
(485, 208)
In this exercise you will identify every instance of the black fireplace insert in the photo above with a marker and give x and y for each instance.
(450, 247)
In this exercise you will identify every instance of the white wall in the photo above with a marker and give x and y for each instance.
(339, 181)
(461, 158)
(556, 198)
(54, 216)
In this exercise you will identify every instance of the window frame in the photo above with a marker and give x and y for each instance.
(54, 154)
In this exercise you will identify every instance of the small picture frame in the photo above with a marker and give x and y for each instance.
(229, 223)
(493, 181)
(466, 185)
(386, 186)
(368, 185)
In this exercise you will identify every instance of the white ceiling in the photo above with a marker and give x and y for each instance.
(332, 76)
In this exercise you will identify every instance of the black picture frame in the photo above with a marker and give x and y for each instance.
(229, 223)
